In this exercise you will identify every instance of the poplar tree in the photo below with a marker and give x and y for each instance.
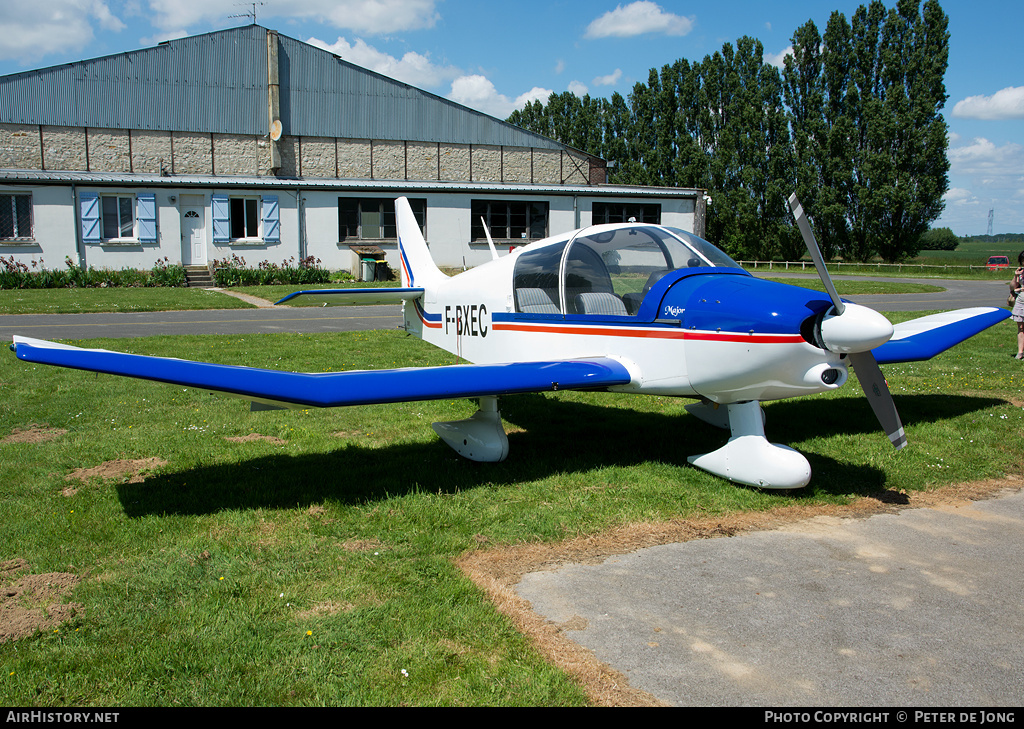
(853, 124)
(751, 154)
(873, 165)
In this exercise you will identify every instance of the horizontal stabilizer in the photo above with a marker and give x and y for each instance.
(333, 389)
(920, 339)
(350, 297)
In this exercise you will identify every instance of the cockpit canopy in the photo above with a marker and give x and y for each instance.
(607, 269)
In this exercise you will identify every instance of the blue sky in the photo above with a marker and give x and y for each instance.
(496, 56)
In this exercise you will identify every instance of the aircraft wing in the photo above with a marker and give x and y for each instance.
(923, 338)
(332, 389)
(347, 297)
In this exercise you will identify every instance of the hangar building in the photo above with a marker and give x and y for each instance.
(247, 142)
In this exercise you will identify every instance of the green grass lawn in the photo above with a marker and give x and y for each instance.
(79, 301)
(276, 293)
(921, 268)
(928, 264)
(852, 288)
(315, 566)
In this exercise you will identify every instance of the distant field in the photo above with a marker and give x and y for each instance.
(973, 252)
(927, 264)
(854, 288)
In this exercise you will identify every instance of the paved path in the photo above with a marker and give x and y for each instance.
(215, 321)
(920, 608)
(958, 294)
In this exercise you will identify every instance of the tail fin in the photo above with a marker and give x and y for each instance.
(418, 269)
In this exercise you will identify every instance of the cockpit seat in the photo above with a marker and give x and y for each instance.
(633, 301)
(654, 278)
(536, 301)
(600, 303)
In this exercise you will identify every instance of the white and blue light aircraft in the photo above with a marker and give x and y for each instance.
(629, 307)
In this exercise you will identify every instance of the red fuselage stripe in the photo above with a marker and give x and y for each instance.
(654, 333)
(600, 331)
(424, 321)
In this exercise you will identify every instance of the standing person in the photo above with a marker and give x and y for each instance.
(1017, 314)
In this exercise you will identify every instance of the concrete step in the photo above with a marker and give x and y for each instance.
(198, 277)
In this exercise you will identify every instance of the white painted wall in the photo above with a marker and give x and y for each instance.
(448, 227)
(53, 223)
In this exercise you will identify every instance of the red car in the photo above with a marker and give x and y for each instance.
(996, 262)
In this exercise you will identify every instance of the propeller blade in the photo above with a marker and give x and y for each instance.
(875, 387)
(868, 372)
(812, 248)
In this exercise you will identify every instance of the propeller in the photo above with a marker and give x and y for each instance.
(854, 330)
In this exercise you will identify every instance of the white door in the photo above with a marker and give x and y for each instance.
(193, 236)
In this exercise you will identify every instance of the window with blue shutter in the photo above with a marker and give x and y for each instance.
(221, 218)
(145, 214)
(89, 204)
(271, 219)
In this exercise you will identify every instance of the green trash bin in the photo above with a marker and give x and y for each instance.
(369, 266)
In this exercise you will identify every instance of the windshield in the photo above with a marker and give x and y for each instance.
(607, 269)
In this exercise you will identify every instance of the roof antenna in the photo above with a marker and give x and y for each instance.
(250, 14)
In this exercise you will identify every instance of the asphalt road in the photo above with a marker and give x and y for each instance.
(920, 608)
(958, 294)
(216, 321)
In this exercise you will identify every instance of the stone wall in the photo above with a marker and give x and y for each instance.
(33, 147)
(235, 154)
(151, 152)
(64, 148)
(20, 147)
(109, 150)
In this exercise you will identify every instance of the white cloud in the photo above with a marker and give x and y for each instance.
(477, 92)
(412, 68)
(959, 196)
(535, 94)
(370, 17)
(778, 59)
(988, 164)
(638, 18)
(609, 80)
(560, 66)
(984, 175)
(580, 89)
(33, 30)
(153, 40)
(1006, 103)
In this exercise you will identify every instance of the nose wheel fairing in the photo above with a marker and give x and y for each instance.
(748, 457)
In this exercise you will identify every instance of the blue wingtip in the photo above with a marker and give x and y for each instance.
(927, 344)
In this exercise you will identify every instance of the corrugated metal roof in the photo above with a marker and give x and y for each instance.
(217, 83)
(11, 177)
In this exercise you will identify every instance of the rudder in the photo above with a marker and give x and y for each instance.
(417, 265)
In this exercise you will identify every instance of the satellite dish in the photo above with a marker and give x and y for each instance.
(275, 130)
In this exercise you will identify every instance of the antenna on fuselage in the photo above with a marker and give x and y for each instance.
(490, 242)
